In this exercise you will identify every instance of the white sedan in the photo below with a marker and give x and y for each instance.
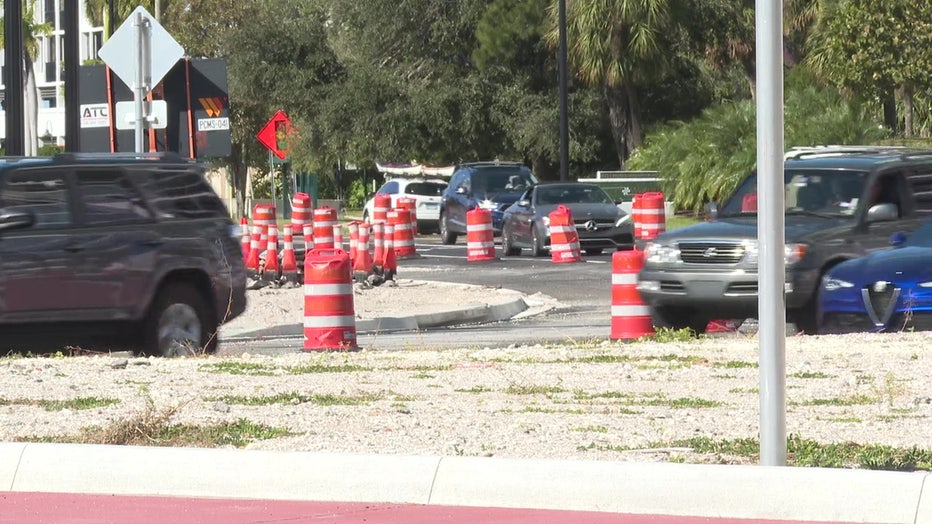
(426, 193)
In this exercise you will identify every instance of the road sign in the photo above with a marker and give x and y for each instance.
(95, 115)
(274, 135)
(156, 118)
(120, 53)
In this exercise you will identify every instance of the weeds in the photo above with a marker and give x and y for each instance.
(296, 398)
(59, 405)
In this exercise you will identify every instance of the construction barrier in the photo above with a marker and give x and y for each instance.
(324, 220)
(480, 239)
(301, 212)
(653, 216)
(271, 269)
(353, 239)
(252, 259)
(389, 261)
(564, 240)
(329, 311)
(380, 206)
(378, 246)
(289, 262)
(636, 218)
(630, 315)
(749, 203)
(244, 234)
(411, 205)
(403, 237)
(362, 264)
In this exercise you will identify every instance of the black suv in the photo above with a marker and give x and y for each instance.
(489, 185)
(115, 251)
(841, 202)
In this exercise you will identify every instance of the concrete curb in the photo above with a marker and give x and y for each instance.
(469, 315)
(749, 492)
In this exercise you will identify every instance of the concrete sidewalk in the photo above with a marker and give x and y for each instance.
(687, 490)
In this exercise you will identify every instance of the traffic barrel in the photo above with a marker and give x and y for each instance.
(362, 264)
(389, 261)
(244, 237)
(636, 218)
(329, 311)
(411, 205)
(749, 203)
(480, 240)
(324, 220)
(378, 246)
(564, 240)
(338, 236)
(300, 212)
(289, 262)
(403, 237)
(252, 259)
(630, 315)
(270, 272)
(308, 230)
(380, 206)
(653, 216)
(353, 239)
(264, 215)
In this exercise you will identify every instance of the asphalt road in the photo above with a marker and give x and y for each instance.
(583, 290)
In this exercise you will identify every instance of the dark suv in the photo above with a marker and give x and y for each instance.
(489, 185)
(115, 251)
(841, 202)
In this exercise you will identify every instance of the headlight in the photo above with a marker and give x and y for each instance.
(622, 220)
(925, 284)
(834, 284)
(662, 254)
(488, 204)
(792, 253)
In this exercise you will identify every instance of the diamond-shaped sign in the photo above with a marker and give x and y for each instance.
(119, 53)
(274, 135)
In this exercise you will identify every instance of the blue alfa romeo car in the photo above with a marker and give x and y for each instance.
(888, 290)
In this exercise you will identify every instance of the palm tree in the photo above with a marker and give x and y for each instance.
(98, 11)
(32, 30)
(616, 44)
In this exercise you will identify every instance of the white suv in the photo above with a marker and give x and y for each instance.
(426, 193)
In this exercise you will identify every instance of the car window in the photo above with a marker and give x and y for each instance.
(43, 193)
(389, 188)
(108, 198)
(182, 194)
(831, 192)
(920, 184)
(496, 181)
(424, 189)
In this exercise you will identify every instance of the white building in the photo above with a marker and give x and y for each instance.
(49, 67)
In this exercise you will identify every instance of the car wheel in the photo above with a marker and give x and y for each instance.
(446, 236)
(805, 317)
(678, 318)
(508, 248)
(179, 323)
(537, 242)
(592, 251)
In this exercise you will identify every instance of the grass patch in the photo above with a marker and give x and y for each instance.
(671, 335)
(856, 400)
(320, 368)
(736, 364)
(685, 402)
(533, 390)
(535, 409)
(238, 368)
(59, 405)
(475, 389)
(744, 390)
(811, 374)
(296, 398)
(423, 374)
(591, 429)
(843, 420)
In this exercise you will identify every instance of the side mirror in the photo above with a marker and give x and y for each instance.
(461, 190)
(711, 211)
(16, 220)
(524, 203)
(898, 238)
(883, 213)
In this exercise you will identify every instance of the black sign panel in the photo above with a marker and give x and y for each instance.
(196, 93)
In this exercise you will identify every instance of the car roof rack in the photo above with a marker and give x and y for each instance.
(164, 156)
(837, 150)
(492, 163)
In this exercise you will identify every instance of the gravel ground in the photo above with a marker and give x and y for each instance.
(608, 401)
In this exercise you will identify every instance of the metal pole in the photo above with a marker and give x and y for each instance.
(564, 124)
(141, 87)
(772, 267)
(71, 81)
(272, 177)
(15, 142)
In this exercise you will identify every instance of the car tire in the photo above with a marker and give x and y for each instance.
(446, 236)
(678, 318)
(180, 323)
(508, 247)
(593, 251)
(537, 242)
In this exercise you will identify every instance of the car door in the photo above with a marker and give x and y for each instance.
(115, 232)
(456, 201)
(523, 217)
(37, 278)
(887, 188)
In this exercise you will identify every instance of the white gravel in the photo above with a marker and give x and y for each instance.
(610, 401)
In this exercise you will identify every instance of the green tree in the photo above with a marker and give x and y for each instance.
(98, 11)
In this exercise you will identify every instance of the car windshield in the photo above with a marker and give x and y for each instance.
(424, 189)
(490, 181)
(820, 192)
(581, 194)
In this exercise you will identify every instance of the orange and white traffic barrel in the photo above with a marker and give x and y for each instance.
(389, 261)
(411, 205)
(329, 311)
(564, 240)
(324, 220)
(255, 248)
(244, 237)
(301, 204)
(630, 315)
(289, 262)
(264, 215)
(653, 216)
(272, 267)
(338, 236)
(636, 218)
(378, 246)
(353, 239)
(403, 237)
(749, 203)
(480, 239)
(362, 264)
(380, 205)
